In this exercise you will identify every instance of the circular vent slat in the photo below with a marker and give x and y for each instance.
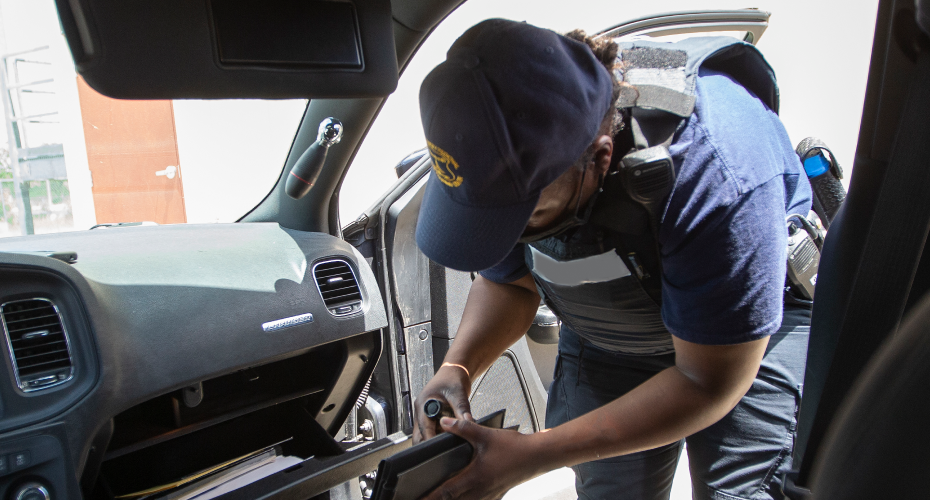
(338, 286)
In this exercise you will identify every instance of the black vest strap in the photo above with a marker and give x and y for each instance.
(628, 225)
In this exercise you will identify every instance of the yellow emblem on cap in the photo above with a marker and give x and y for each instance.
(445, 166)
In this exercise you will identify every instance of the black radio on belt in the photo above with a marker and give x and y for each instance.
(803, 256)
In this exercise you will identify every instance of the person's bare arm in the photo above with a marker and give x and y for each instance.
(704, 385)
(702, 388)
(496, 315)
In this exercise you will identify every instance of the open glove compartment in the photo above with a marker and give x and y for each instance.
(284, 410)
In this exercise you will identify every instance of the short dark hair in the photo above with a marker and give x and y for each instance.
(605, 50)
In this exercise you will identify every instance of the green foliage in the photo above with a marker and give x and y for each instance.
(5, 171)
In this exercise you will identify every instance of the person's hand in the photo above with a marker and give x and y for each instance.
(450, 386)
(502, 459)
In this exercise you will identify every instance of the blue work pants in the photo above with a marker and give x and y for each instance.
(742, 456)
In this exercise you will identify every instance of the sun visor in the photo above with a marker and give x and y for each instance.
(175, 49)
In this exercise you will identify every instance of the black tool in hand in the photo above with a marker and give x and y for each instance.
(434, 409)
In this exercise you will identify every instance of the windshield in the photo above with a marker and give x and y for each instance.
(72, 159)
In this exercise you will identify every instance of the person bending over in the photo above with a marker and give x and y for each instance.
(524, 131)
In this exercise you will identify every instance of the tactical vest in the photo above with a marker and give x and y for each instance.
(603, 279)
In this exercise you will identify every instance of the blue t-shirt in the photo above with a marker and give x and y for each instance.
(722, 237)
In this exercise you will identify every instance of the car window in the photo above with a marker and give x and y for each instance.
(71, 159)
(812, 103)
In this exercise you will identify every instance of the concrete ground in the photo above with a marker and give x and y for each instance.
(560, 485)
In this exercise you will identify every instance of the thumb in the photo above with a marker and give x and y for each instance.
(468, 430)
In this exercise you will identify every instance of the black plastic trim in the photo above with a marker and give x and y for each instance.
(317, 476)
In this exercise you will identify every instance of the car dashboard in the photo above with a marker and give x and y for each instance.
(161, 351)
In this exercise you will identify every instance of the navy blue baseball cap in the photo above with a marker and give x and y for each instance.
(511, 108)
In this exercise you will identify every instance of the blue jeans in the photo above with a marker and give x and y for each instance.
(743, 456)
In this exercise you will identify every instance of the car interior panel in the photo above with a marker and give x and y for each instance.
(203, 318)
(220, 49)
(150, 361)
(418, 284)
(861, 299)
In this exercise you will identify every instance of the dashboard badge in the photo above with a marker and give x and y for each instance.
(281, 324)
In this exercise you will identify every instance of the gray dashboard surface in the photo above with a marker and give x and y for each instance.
(174, 305)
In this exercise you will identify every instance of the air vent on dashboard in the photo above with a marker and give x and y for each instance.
(338, 287)
(38, 343)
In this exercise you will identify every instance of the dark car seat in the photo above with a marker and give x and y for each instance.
(872, 272)
(878, 446)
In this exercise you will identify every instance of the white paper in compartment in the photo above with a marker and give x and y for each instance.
(235, 483)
